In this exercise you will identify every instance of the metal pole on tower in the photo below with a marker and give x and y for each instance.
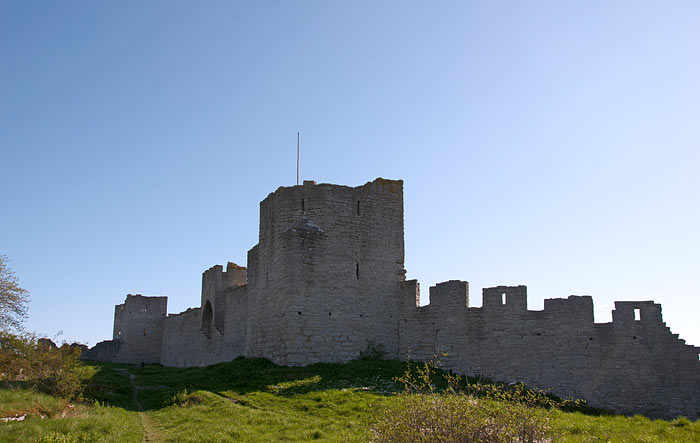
(298, 147)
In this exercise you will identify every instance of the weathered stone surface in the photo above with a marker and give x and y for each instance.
(326, 280)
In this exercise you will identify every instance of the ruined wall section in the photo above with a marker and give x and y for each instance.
(643, 367)
(326, 272)
(625, 365)
(214, 333)
(107, 350)
(139, 328)
(215, 284)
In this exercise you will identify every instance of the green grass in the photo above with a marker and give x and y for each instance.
(577, 427)
(255, 400)
(49, 419)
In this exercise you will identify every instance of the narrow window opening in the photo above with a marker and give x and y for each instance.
(329, 314)
(358, 207)
(303, 206)
(299, 312)
(698, 356)
(357, 271)
(144, 332)
(637, 315)
(503, 298)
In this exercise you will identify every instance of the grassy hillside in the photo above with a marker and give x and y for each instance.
(255, 400)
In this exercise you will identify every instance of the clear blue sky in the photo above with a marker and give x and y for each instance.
(553, 144)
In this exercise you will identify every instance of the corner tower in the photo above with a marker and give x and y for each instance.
(323, 277)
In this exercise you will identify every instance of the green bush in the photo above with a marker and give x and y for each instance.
(454, 413)
(40, 364)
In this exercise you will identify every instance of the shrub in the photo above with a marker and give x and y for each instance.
(40, 364)
(424, 413)
(184, 399)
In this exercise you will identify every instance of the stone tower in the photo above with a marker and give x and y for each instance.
(323, 277)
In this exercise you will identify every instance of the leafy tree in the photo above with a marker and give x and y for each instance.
(26, 358)
(14, 299)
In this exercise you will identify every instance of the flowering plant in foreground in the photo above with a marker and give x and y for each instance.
(439, 407)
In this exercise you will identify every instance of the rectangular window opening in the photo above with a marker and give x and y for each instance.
(503, 298)
(303, 206)
(637, 314)
(358, 207)
(357, 271)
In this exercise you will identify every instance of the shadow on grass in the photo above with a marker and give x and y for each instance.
(159, 384)
(110, 387)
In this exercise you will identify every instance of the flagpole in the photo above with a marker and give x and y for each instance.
(298, 144)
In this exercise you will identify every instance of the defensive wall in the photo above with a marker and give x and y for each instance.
(326, 281)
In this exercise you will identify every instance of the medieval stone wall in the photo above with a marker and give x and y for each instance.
(326, 281)
(138, 327)
(631, 366)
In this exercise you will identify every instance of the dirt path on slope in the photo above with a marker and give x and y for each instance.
(150, 434)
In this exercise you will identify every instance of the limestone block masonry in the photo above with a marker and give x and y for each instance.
(327, 280)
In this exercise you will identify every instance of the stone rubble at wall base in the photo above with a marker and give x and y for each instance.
(327, 279)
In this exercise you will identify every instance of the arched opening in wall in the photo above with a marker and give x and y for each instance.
(207, 315)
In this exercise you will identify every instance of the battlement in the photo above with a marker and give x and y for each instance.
(630, 312)
(328, 205)
(511, 297)
(216, 277)
(453, 294)
(215, 283)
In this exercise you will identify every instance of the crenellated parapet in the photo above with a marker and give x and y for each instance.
(625, 365)
(511, 298)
